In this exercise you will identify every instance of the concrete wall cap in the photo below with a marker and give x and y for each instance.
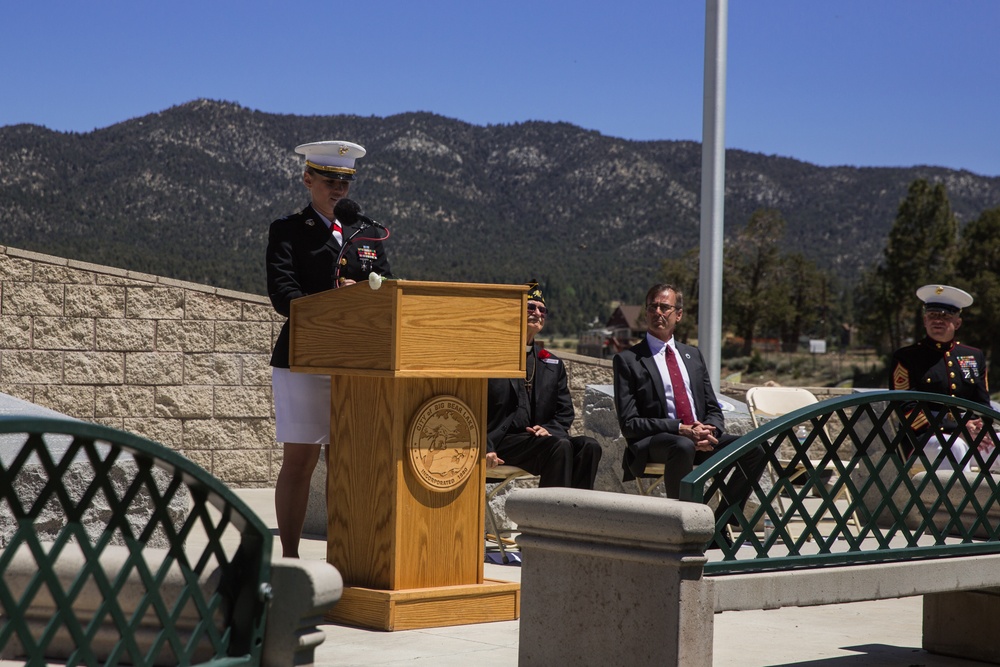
(313, 580)
(303, 590)
(610, 518)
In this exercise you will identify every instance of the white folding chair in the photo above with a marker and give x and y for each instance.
(504, 475)
(654, 470)
(773, 402)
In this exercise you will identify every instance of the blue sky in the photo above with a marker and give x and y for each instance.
(856, 82)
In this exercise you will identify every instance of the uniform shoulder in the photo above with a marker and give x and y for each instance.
(908, 351)
(294, 226)
(298, 216)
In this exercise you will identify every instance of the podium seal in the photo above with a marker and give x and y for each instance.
(443, 443)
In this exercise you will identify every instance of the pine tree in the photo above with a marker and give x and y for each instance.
(920, 250)
(979, 269)
(750, 280)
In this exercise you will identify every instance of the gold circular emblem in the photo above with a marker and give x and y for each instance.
(443, 442)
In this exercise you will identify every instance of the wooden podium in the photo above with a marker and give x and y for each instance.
(406, 483)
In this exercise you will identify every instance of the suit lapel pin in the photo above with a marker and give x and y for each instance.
(310, 222)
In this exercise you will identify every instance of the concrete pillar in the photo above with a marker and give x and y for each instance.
(612, 579)
(302, 591)
(963, 624)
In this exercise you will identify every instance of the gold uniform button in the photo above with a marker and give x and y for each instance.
(953, 387)
(952, 374)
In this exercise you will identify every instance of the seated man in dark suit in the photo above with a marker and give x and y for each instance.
(668, 411)
(528, 418)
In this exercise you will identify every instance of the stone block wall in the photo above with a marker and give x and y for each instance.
(582, 371)
(183, 364)
(180, 363)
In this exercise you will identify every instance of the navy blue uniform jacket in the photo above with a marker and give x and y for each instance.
(301, 260)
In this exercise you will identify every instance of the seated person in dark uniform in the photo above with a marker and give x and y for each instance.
(667, 408)
(528, 419)
(941, 365)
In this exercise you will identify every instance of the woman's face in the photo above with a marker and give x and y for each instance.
(326, 192)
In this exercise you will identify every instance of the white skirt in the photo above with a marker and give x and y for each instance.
(301, 407)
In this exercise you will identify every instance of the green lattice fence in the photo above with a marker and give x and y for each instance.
(868, 492)
(117, 550)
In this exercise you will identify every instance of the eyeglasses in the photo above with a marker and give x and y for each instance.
(542, 310)
(939, 315)
(665, 308)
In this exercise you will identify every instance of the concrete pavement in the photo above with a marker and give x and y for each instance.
(883, 633)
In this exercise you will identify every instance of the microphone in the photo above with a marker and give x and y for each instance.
(349, 212)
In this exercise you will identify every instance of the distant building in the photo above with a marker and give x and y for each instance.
(595, 343)
(625, 327)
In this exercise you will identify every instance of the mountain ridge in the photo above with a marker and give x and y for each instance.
(189, 193)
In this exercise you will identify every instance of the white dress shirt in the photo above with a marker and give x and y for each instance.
(329, 225)
(658, 348)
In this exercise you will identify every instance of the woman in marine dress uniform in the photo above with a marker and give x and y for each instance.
(302, 251)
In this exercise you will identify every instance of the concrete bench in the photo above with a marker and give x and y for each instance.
(301, 592)
(19, 574)
(606, 575)
(154, 562)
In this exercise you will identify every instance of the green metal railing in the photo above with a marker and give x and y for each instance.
(200, 599)
(867, 490)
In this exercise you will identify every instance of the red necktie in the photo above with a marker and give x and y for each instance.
(336, 227)
(681, 402)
